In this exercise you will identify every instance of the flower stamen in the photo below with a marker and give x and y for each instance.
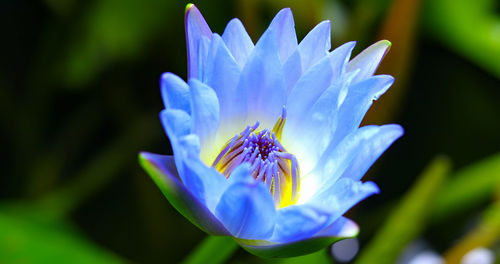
(268, 159)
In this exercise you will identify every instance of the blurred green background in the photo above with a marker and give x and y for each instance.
(80, 97)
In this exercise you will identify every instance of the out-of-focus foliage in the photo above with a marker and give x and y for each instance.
(79, 95)
(409, 218)
(33, 237)
(470, 27)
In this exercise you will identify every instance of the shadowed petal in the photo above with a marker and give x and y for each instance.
(196, 28)
(163, 172)
(237, 41)
(369, 59)
(246, 208)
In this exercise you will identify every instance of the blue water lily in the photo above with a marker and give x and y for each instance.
(266, 138)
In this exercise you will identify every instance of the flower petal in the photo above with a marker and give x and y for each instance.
(196, 29)
(177, 124)
(338, 159)
(340, 229)
(246, 208)
(311, 49)
(284, 28)
(205, 183)
(175, 92)
(359, 98)
(163, 172)
(369, 59)
(205, 114)
(371, 150)
(312, 85)
(223, 74)
(237, 41)
(339, 197)
(262, 80)
(297, 222)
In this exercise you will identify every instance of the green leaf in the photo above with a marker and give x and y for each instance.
(29, 236)
(408, 218)
(468, 27)
(467, 188)
(214, 249)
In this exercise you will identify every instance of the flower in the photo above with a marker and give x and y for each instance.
(266, 138)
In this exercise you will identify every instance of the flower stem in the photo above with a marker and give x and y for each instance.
(213, 249)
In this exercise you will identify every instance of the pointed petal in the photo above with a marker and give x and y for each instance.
(223, 74)
(369, 59)
(163, 172)
(307, 90)
(338, 158)
(262, 79)
(311, 49)
(371, 150)
(175, 92)
(314, 83)
(196, 28)
(359, 98)
(246, 208)
(297, 222)
(237, 41)
(205, 112)
(284, 28)
(342, 195)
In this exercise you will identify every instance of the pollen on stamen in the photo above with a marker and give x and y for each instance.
(269, 161)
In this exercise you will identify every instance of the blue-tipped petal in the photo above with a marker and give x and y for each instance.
(175, 92)
(311, 49)
(371, 150)
(369, 59)
(284, 28)
(205, 112)
(223, 74)
(196, 28)
(262, 79)
(237, 41)
(297, 222)
(163, 172)
(246, 208)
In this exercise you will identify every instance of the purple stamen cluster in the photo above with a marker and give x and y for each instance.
(269, 161)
